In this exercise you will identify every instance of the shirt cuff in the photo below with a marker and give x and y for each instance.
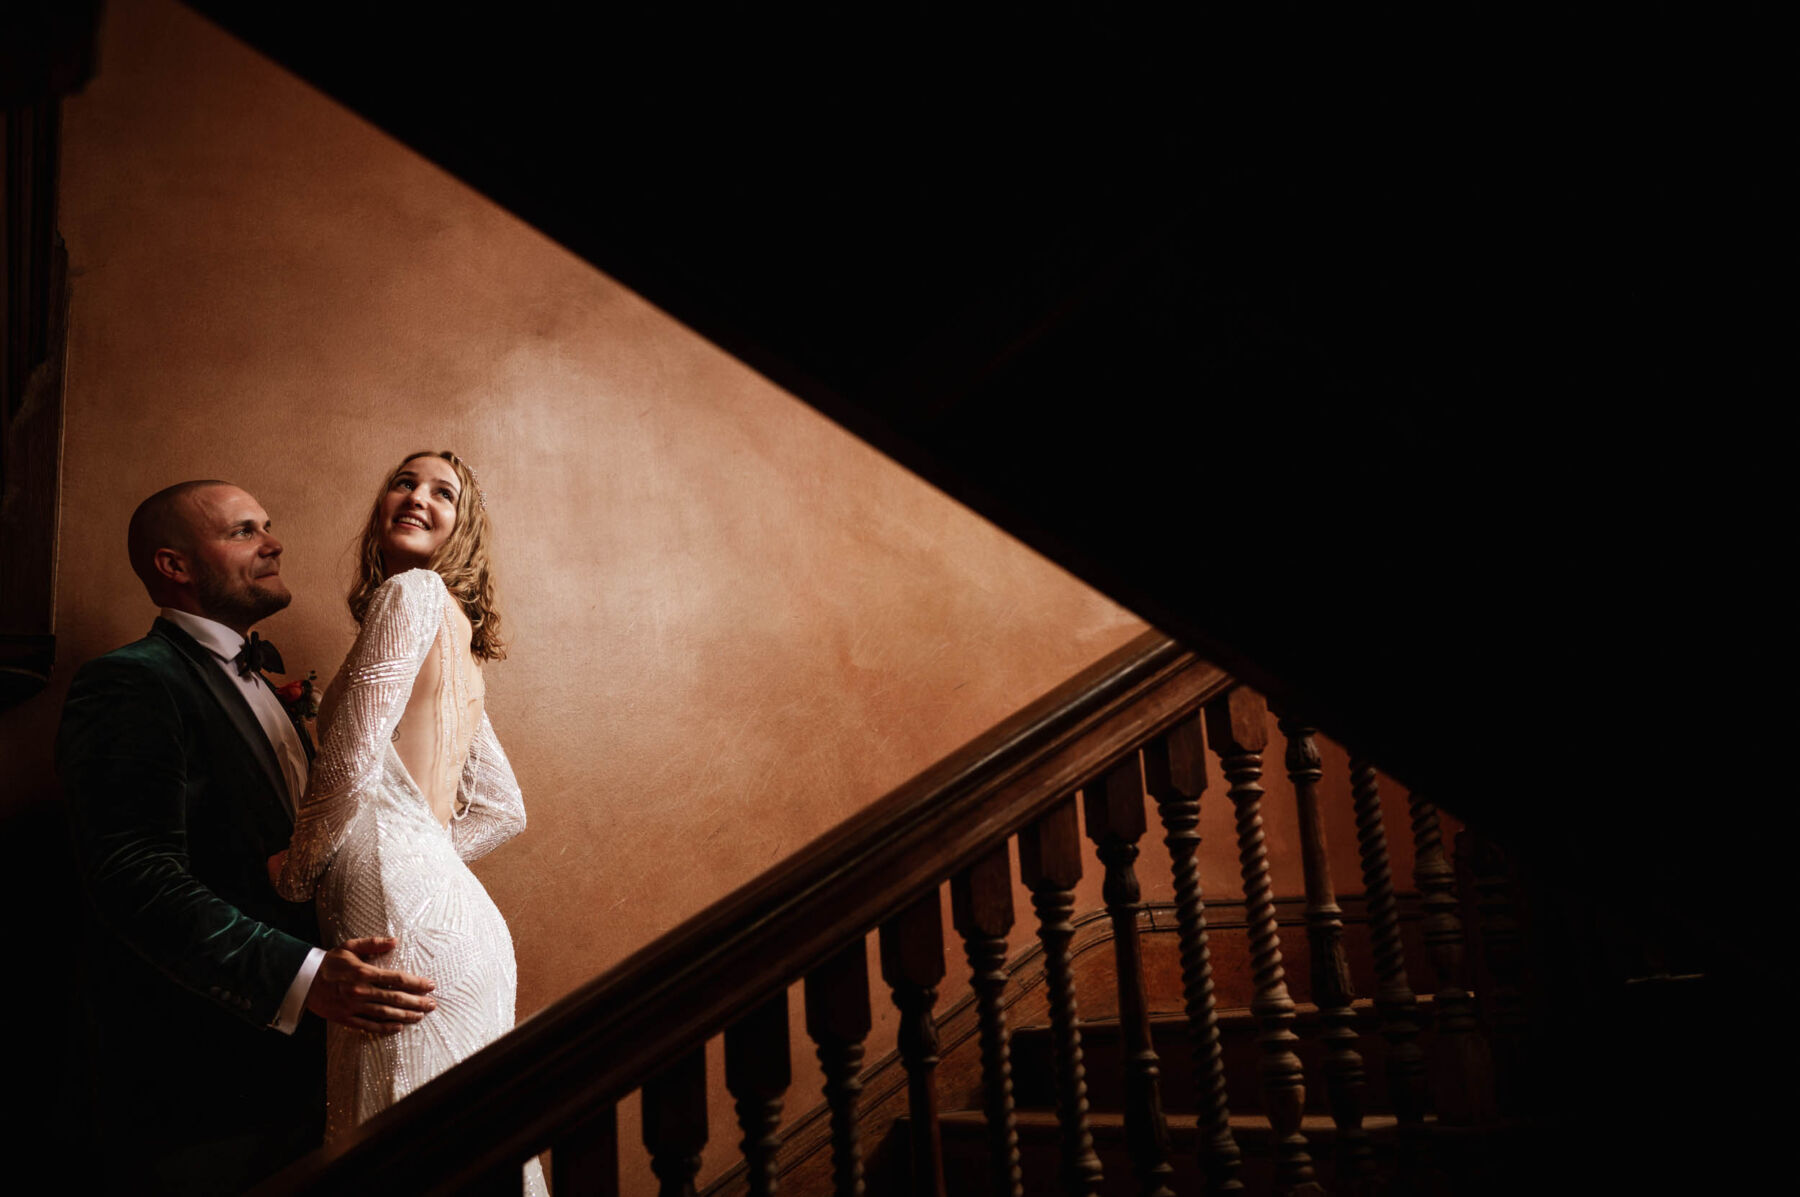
(294, 1004)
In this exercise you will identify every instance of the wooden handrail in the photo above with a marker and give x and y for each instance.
(608, 1037)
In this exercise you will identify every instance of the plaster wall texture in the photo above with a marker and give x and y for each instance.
(731, 623)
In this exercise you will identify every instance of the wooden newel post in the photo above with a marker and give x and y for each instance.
(1114, 804)
(1050, 862)
(1461, 1071)
(981, 906)
(586, 1158)
(502, 1181)
(674, 1105)
(1332, 988)
(912, 963)
(757, 1072)
(837, 1018)
(1175, 775)
(1237, 725)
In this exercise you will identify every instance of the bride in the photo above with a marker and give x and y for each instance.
(409, 785)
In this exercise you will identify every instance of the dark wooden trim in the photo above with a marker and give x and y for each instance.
(25, 663)
(34, 305)
(605, 1039)
(46, 53)
(47, 49)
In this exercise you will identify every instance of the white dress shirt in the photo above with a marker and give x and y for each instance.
(224, 645)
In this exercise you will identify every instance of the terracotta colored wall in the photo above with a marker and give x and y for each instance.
(732, 624)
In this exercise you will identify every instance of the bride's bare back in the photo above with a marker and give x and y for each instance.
(442, 714)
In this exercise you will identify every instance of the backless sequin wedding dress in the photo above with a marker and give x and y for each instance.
(369, 845)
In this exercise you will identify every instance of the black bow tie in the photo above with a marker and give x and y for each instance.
(258, 654)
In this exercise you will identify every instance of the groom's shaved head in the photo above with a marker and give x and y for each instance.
(163, 521)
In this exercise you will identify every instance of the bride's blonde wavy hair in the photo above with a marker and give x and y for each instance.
(462, 560)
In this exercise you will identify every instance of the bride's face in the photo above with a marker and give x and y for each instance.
(418, 512)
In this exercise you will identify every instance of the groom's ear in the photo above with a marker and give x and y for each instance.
(171, 564)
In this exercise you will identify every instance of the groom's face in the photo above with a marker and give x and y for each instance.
(234, 557)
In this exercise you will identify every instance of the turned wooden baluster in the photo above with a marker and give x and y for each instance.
(586, 1158)
(1461, 1070)
(674, 1111)
(757, 1073)
(501, 1181)
(912, 963)
(1394, 999)
(1114, 804)
(1503, 949)
(1332, 988)
(1050, 863)
(981, 906)
(837, 1018)
(1237, 725)
(1175, 775)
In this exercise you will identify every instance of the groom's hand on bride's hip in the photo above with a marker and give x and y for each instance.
(349, 990)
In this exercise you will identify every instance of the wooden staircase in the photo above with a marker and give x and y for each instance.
(1192, 1076)
(1451, 1162)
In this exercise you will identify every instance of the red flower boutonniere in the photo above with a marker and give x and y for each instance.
(301, 698)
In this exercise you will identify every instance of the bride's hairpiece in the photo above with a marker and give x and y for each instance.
(480, 495)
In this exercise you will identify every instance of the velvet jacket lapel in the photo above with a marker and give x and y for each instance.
(232, 703)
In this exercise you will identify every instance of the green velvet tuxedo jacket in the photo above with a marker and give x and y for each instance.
(174, 797)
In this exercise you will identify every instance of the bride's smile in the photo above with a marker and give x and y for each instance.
(418, 512)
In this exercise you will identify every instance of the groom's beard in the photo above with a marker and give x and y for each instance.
(242, 603)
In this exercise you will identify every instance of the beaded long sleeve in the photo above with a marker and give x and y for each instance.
(489, 808)
(397, 633)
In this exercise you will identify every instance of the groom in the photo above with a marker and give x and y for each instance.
(181, 773)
